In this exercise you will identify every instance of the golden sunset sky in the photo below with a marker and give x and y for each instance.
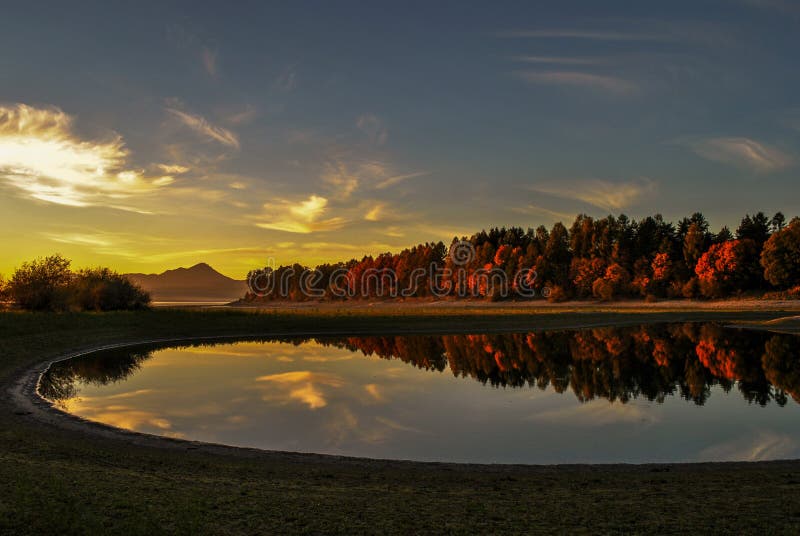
(150, 137)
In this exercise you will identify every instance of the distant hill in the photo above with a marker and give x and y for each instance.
(198, 283)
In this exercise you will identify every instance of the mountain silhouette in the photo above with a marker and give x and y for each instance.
(200, 282)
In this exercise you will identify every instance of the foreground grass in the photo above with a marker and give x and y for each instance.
(57, 480)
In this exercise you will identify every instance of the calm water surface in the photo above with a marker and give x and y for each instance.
(679, 392)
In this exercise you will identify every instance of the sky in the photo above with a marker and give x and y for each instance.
(149, 135)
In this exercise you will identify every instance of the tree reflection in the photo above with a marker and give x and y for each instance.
(615, 363)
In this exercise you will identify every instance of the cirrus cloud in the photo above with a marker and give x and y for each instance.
(344, 178)
(743, 153)
(605, 83)
(603, 194)
(202, 126)
(209, 57)
(373, 128)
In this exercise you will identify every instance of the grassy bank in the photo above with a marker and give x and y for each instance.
(55, 479)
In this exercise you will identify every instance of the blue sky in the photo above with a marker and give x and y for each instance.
(172, 133)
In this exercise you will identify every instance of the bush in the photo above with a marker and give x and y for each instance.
(48, 284)
(690, 289)
(790, 294)
(101, 289)
(42, 284)
(675, 289)
(711, 288)
(557, 294)
(603, 290)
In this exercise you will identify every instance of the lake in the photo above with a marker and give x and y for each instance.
(654, 393)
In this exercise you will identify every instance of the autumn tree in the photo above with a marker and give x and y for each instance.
(614, 282)
(780, 257)
(581, 237)
(583, 273)
(725, 268)
(695, 242)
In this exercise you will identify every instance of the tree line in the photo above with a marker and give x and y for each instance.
(606, 258)
(49, 284)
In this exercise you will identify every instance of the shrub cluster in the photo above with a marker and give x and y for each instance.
(48, 284)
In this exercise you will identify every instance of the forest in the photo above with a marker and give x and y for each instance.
(594, 259)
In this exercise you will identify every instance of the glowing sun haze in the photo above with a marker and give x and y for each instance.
(153, 135)
(41, 157)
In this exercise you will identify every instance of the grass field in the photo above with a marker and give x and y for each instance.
(57, 479)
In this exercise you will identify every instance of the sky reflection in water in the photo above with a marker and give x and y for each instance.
(685, 392)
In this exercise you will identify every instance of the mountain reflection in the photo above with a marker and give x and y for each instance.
(615, 363)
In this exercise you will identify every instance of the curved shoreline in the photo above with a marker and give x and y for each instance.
(25, 394)
(64, 474)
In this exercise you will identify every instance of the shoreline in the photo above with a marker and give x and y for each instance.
(521, 305)
(24, 392)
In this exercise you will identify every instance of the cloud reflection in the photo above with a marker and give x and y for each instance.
(303, 386)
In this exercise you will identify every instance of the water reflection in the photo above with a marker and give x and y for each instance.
(323, 397)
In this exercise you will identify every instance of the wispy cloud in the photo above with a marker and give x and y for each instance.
(561, 60)
(374, 214)
(43, 158)
(594, 35)
(304, 216)
(781, 6)
(554, 214)
(173, 169)
(209, 61)
(600, 193)
(397, 179)
(342, 178)
(762, 445)
(596, 413)
(648, 31)
(382, 211)
(287, 81)
(203, 127)
(605, 83)
(243, 117)
(374, 390)
(79, 239)
(374, 128)
(743, 153)
(141, 248)
(347, 177)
